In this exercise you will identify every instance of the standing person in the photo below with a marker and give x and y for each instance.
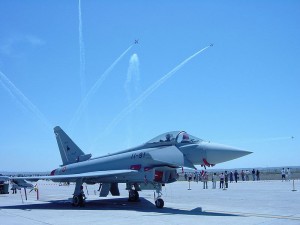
(221, 176)
(214, 181)
(247, 175)
(226, 179)
(282, 174)
(236, 175)
(231, 176)
(205, 179)
(185, 176)
(253, 174)
(13, 187)
(190, 177)
(196, 176)
(288, 174)
(257, 175)
(243, 175)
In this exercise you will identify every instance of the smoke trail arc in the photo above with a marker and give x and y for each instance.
(131, 87)
(84, 103)
(133, 76)
(22, 99)
(149, 91)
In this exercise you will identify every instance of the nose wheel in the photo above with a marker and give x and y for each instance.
(159, 203)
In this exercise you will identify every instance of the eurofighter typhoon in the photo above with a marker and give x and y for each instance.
(145, 167)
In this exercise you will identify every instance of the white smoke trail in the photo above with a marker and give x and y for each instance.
(132, 73)
(132, 79)
(92, 91)
(23, 100)
(81, 53)
(148, 92)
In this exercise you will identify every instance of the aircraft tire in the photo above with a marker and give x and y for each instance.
(159, 203)
(82, 201)
(76, 201)
(133, 196)
(137, 197)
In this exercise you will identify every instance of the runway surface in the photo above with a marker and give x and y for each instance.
(252, 202)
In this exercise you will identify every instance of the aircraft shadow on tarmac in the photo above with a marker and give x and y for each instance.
(114, 204)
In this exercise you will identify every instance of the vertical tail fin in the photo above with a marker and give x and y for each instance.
(69, 151)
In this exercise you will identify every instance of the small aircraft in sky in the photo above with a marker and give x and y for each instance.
(211, 45)
(136, 41)
(146, 167)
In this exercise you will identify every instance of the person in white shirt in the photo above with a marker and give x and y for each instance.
(214, 181)
(221, 176)
(288, 174)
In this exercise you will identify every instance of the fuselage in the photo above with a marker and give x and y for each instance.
(155, 155)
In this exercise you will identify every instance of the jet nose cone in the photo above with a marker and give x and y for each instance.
(217, 153)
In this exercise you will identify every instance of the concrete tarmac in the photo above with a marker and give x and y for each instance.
(259, 202)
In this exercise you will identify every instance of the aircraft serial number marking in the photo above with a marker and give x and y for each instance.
(138, 155)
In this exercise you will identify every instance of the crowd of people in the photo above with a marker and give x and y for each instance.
(285, 174)
(229, 177)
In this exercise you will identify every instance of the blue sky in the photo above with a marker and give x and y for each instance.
(244, 91)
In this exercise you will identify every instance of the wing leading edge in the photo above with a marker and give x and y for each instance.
(72, 177)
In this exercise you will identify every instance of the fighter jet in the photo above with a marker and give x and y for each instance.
(136, 41)
(145, 167)
(211, 45)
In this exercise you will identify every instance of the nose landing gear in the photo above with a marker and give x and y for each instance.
(159, 202)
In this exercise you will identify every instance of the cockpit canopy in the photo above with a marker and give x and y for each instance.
(174, 137)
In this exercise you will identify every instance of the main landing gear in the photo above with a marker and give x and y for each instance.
(78, 200)
(133, 196)
(78, 196)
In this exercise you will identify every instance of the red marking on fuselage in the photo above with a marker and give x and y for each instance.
(158, 176)
(207, 163)
(52, 173)
(147, 168)
(135, 167)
